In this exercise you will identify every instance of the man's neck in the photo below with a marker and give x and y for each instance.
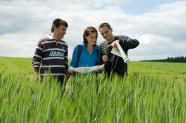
(54, 36)
(111, 39)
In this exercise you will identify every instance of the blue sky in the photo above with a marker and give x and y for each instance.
(159, 25)
(141, 6)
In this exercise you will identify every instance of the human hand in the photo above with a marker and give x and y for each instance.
(36, 75)
(126, 60)
(71, 71)
(105, 58)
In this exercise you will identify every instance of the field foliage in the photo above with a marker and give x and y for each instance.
(152, 92)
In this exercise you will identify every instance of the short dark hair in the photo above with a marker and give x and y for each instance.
(57, 22)
(87, 32)
(104, 24)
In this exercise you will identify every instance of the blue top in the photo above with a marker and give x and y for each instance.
(86, 59)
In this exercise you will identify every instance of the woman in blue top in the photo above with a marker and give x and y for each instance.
(88, 54)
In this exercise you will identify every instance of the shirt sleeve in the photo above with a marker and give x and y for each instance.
(74, 57)
(37, 58)
(129, 43)
(66, 59)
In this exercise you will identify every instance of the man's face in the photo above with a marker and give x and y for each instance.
(61, 31)
(106, 33)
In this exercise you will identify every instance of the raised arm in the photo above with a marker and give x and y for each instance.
(128, 43)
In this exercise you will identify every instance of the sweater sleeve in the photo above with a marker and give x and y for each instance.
(66, 59)
(37, 58)
(128, 43)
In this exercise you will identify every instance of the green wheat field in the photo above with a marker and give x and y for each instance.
(153, 92)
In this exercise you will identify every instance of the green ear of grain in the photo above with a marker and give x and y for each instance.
(152, 92)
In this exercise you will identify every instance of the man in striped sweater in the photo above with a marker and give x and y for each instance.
(113, 63)
(51, 53)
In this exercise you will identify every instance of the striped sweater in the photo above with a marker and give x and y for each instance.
(116, 63)
(51, 56)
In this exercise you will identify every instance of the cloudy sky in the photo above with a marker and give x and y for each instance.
(159, 25)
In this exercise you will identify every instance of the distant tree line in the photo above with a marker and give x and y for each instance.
(171, 59)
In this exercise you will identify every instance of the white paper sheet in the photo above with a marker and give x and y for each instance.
(88, 69)
(120, 52)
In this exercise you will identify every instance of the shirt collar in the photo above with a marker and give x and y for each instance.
(51, 38)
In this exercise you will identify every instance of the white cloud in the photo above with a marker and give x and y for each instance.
(161, 31)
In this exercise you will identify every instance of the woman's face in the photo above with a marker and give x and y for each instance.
(91, 38)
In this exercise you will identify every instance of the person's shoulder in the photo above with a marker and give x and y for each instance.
(63, 42)
(122, 37)
(42, 40)
(77, 47)
(104, 43)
